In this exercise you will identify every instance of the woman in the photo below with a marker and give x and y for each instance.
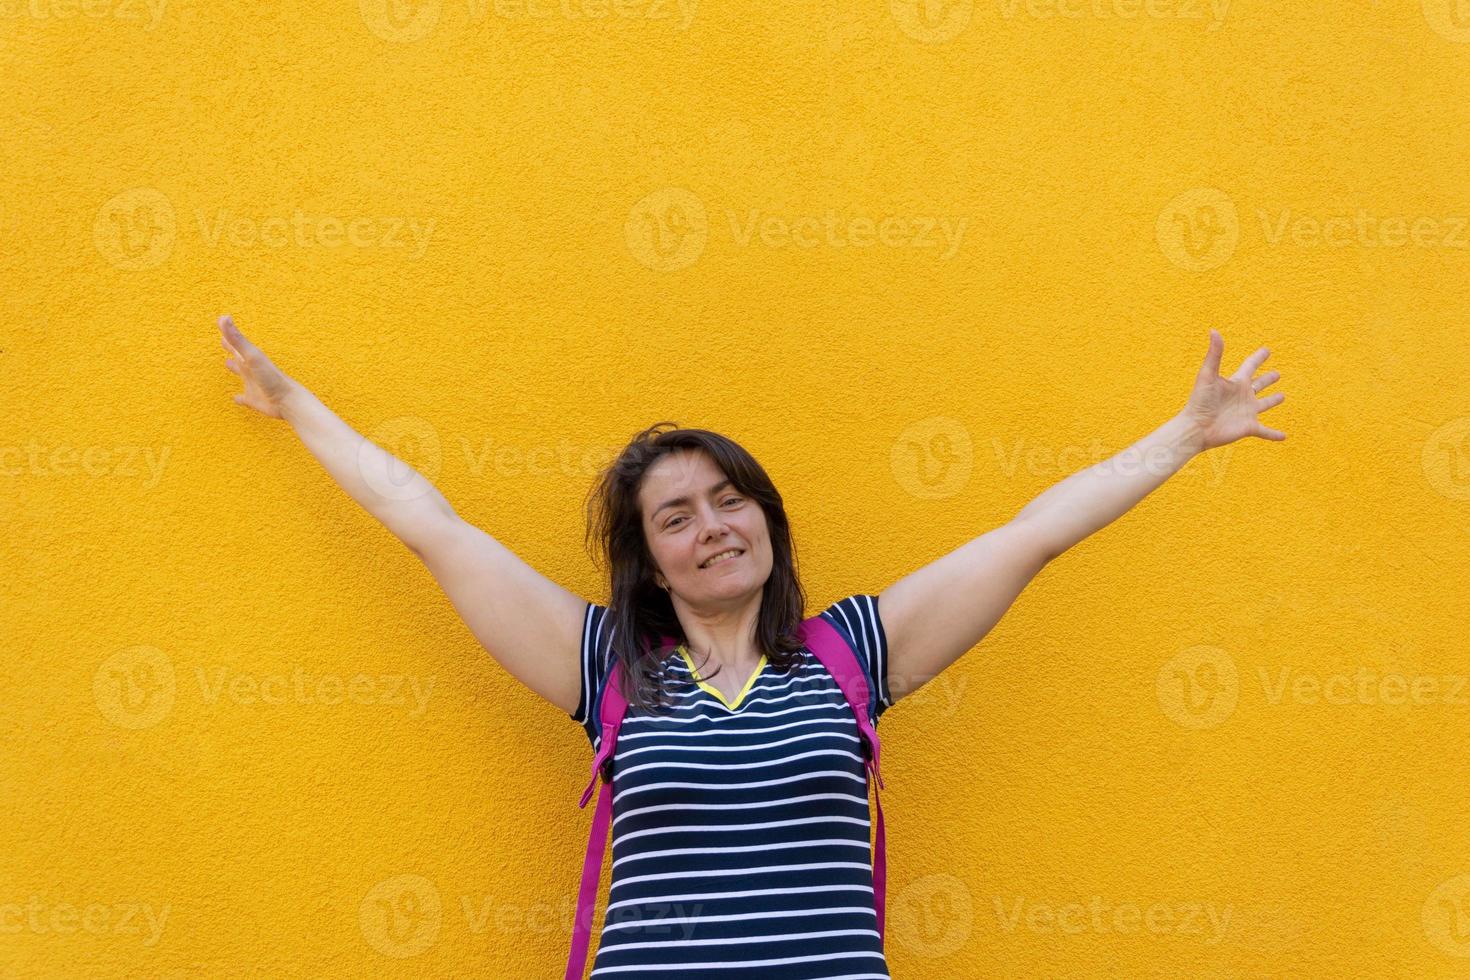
(740, 814)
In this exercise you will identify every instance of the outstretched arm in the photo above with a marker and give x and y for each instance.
(932, 616)
(528, 624)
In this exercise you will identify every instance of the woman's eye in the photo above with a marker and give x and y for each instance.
(736, 499)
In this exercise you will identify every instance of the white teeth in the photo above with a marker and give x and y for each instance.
(720, 557)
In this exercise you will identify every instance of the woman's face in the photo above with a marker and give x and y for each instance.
(691, 512)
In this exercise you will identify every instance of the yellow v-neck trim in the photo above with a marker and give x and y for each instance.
(760, 665)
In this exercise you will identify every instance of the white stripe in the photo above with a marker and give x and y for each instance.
(845, 736)
(762, 916)
(744, 849)
(707, 828)
(768, 869)
(738, 806)
(741, 940)
(689, 767)
(711, 733)
(719, 896)
(623, 793)
(742, 963)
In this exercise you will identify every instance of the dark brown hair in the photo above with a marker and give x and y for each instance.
(639, 612)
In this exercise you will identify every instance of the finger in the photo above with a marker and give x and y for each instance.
(233, 334)
(233, 366)
(1269, 401)
(226, 345)
(1212, 356)
(1248, 367)
(1275, 435)
(1265, 381)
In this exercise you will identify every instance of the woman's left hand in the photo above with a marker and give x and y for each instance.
(1223, 410)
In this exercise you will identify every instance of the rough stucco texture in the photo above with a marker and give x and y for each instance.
(923, 260)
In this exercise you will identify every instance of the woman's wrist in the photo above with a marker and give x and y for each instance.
(1184, 432)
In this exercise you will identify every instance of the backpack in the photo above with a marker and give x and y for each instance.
(834, 652)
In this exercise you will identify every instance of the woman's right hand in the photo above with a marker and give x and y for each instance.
(266, 387)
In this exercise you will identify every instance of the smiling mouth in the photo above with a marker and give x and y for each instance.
(709, 565)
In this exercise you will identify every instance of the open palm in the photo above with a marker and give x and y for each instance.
(266, 386)
(1225, 409)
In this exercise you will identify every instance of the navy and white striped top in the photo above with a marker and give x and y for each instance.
(740, 835)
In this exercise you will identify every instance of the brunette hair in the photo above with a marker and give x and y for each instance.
(639, 611)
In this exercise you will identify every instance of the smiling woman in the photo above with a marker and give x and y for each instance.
(737, 757)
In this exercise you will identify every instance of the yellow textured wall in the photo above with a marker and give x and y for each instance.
(923, 260)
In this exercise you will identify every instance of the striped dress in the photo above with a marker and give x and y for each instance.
(740, 835)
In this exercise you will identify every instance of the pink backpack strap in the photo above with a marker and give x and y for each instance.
(841, 660)
(611, 709)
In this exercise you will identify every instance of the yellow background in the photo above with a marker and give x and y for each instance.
(600, 203)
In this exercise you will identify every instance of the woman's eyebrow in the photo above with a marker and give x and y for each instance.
(680, 501)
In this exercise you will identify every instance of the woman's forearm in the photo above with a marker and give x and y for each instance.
(386, 487)
(1093, 498)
